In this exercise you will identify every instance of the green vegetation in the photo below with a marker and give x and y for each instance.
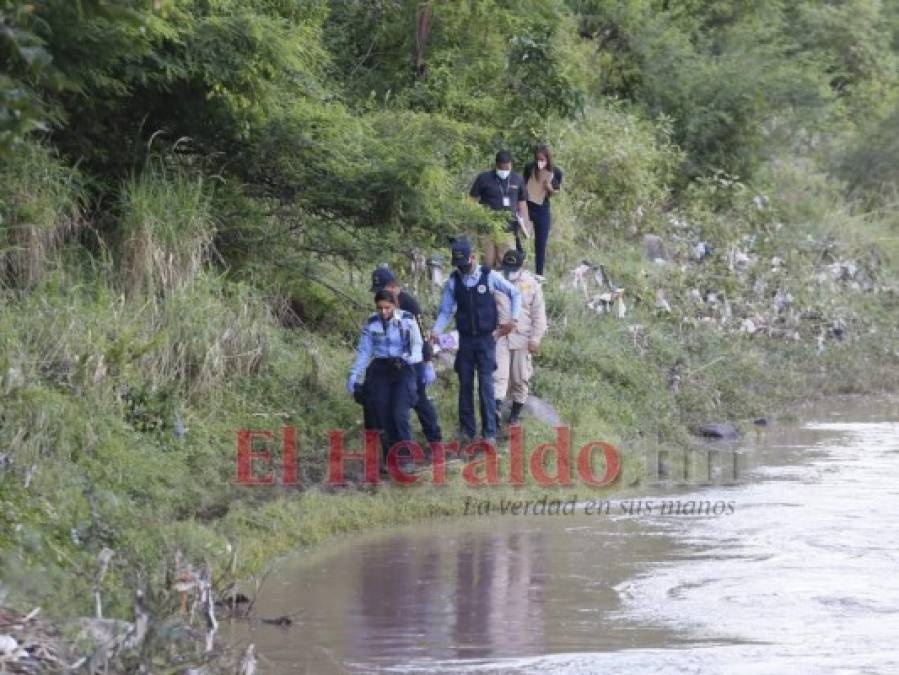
(193, 192)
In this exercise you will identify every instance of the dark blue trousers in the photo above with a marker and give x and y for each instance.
(390, 394)
(424, 408)
(476, 355)
(540, 217)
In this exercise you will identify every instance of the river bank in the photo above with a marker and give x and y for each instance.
(631, 589)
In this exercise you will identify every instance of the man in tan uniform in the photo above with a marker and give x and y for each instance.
(514, 351)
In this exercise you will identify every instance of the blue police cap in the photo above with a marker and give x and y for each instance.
(380, 278)
(461, 251)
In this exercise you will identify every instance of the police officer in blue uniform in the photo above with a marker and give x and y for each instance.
(389, 348)
(382, 277)
(468, 294)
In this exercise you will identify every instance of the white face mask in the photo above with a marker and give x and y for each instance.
(513, 275)
(541, 164)
(503, 173)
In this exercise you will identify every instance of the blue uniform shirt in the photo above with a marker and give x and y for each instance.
(495, 282)
(397, 338)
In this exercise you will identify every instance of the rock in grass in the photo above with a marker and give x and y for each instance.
(654, 248)
(719, 430)
(543, 411)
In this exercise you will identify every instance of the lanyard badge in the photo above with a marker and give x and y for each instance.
(504, 190)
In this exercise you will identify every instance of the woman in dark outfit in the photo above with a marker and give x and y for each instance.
(543, 179)
(389, 348)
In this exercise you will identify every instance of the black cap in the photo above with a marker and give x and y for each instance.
(461, 251)
(512, 259)
(380, 278)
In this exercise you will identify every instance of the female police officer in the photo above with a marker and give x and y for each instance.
(389, 348)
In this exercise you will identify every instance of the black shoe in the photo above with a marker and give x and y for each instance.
(515, 417)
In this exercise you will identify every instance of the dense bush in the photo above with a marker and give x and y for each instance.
(622, 165)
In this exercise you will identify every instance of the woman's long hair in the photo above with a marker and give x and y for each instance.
(543, 149)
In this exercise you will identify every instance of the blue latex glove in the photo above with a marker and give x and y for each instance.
(350, 385)
(429, 376)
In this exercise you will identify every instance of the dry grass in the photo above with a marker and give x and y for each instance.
(39, 210)
(165, 232)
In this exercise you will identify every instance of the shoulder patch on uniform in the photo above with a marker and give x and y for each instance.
(373, 318)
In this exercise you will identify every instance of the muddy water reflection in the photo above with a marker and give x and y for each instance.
(803, 576)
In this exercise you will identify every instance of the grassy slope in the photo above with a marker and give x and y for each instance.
(98, 383)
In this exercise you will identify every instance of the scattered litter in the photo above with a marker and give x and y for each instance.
(661, 302)
(748, 326)
(436, 270)
(837, 329)
(843, 271)
(702, 251)
(610, 302)
(8, 644)
(782, 300)
(582, 275)
(737, 260)
(726, 312)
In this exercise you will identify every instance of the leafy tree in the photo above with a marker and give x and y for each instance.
(724, 72)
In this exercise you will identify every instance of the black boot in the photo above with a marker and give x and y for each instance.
(515, 419)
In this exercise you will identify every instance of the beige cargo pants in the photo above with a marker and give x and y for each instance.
(513, 372)
(493, 250)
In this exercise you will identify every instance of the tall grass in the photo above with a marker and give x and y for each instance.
(165, 231)
(40, 207)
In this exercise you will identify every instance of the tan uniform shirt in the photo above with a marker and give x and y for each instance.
(532, 319)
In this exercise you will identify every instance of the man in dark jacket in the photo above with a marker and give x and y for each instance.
(468, 297)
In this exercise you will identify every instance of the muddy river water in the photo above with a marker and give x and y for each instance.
(798, 573)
